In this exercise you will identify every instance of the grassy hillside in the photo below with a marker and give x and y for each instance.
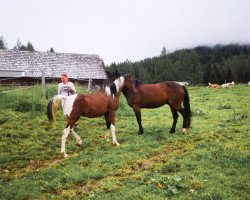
(211, 162)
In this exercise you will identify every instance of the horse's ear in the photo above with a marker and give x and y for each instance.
(108, 74)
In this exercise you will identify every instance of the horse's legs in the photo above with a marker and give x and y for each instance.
(66, 132)
(78, 139)
(112, 120)
(184, 125)
(137, 111)
(72, 119)
(107, 119)
(175, 118)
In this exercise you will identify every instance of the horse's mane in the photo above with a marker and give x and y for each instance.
(110, 90)
(113, 89)
(137, 82)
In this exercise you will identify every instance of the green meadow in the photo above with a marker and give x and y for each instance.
(212, 161)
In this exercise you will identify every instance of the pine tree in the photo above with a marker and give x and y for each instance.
(18, 45)
(30, 47)
(2, 43)
(163, 51)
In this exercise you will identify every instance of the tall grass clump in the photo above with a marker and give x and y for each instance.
(23, 100)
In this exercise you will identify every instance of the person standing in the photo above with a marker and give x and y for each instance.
(66, 88)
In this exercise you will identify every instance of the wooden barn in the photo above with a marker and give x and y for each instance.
(27, 68)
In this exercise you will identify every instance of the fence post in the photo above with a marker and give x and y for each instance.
(89, 84)
(43, 84)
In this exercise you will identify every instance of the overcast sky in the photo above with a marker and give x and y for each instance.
(124, 29)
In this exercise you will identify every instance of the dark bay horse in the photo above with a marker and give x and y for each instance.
(105, 102)
(157, 95)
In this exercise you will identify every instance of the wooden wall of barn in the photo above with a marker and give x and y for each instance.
(28, 81)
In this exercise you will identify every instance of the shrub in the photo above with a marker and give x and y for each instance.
(24, 100)
(23, 106)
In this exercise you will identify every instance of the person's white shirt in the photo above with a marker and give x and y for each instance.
(66, 89)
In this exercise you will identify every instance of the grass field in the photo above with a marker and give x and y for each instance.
(211, 162)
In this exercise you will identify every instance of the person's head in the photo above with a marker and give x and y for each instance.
(64, 78)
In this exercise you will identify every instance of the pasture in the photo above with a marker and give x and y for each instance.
(210, 162)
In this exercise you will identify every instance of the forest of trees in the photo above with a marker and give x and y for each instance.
(199, 65)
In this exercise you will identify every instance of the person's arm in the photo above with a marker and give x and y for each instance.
(59, 89)
(73, 89)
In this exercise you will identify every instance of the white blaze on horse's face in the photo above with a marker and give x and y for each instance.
(119, 83)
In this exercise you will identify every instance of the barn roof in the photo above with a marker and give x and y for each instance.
(15, 63)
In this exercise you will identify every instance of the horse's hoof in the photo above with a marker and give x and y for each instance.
(140, 133)
(172, 131)
(79, 142)
(116, 143)
(64, 155)
(184, 130)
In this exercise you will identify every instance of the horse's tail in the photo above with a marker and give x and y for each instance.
(187, 108)
(52, 108)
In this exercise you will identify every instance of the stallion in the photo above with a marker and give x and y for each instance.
(157, 95)
(104, 102)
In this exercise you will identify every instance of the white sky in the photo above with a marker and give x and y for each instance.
(124, 29)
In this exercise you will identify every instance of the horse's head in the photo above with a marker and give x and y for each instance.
(112, 76)
(129, 83)
(128, 80)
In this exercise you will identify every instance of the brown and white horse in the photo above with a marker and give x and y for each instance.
(105, 102)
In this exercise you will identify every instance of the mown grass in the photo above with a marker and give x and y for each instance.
(210, 162)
